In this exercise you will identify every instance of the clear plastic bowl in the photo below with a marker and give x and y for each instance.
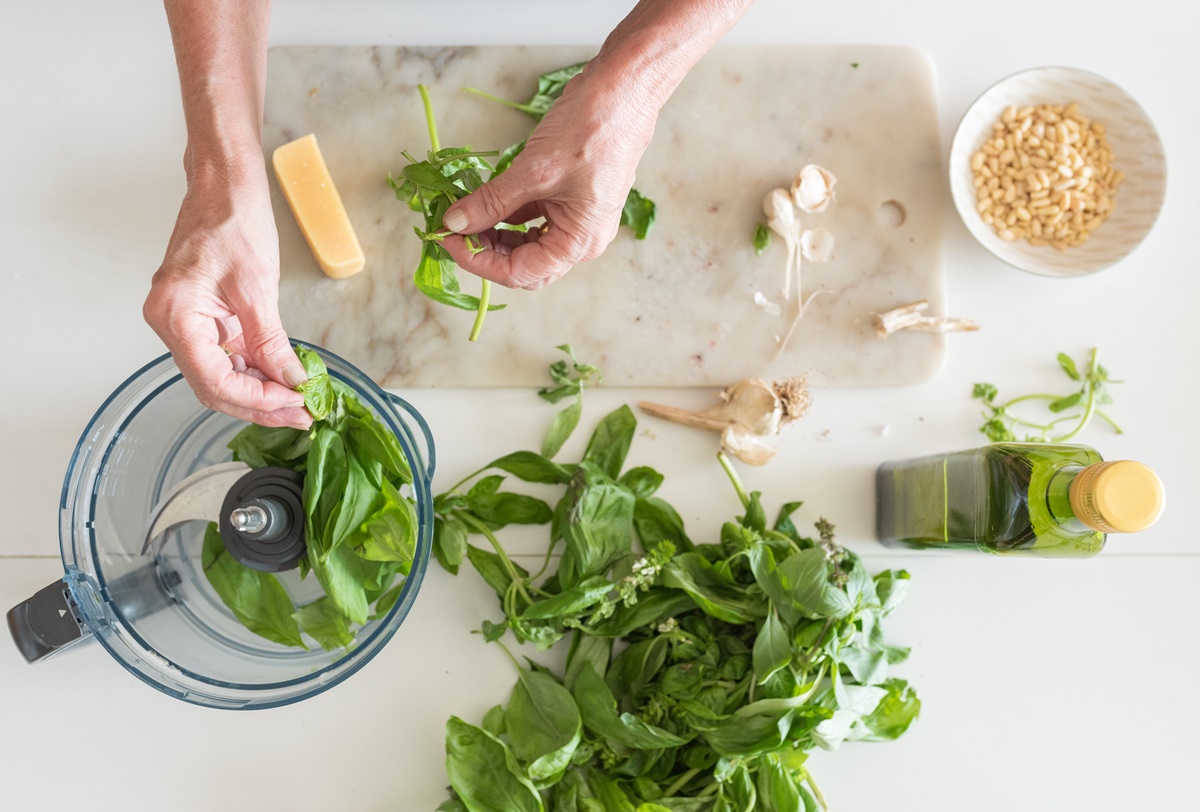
(157, 615)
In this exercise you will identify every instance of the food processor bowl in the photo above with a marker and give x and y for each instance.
(155, 612)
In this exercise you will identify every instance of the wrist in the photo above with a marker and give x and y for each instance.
(231, 165)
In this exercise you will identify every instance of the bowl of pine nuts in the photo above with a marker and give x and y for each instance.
(1057, 171)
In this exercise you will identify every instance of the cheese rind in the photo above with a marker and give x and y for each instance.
(314, 200)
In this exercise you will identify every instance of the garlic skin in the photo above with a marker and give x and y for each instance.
(771, 308)
(912, 317)
(750, 410)
(812, 190)
(817, 245)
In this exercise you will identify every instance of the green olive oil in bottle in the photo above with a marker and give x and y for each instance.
(1038, 499)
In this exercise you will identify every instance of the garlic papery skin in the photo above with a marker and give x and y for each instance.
(812, 190)
(816, 244)
(746, 447)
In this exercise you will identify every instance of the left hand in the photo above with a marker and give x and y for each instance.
(576, 170)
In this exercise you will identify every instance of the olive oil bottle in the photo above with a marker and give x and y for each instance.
(1034, 499)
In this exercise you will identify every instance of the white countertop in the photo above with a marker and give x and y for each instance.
(1046, 685)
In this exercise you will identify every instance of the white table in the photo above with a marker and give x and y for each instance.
(1046, 685)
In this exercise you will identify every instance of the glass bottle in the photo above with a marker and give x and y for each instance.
(1037, 499)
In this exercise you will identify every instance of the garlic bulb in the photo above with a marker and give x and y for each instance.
(750, 410)
(812, 190)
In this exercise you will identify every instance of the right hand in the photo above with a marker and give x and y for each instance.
(215, 303)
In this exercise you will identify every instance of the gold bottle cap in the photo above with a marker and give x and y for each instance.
(1122, 496)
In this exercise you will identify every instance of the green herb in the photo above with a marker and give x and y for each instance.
(639, 212)
(762, 239)
(431, 187)
(854, 64)
(360, 532)
(569, 380)
(698, 676)
(1001, 424)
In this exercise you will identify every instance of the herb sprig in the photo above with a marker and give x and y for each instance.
(431, 187)
(1001, 423)
(698, 675)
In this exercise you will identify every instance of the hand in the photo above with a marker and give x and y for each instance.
(575, 171)
(214, 303)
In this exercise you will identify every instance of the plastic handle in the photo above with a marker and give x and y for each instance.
(47, 623)
(430, 453)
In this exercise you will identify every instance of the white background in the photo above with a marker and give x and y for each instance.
(1046, 685)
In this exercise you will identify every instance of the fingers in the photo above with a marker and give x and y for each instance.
(515, 259)
(263, 339)
(508, 194)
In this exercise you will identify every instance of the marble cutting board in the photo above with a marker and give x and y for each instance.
(678, 308)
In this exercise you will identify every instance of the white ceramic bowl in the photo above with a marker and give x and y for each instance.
(1137, 151)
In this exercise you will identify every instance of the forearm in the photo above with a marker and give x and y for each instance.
(659, 41)
(221, 51)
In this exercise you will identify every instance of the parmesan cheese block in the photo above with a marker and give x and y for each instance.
(314, 200)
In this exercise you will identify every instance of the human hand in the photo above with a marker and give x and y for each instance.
(575, 171)
(214, 303)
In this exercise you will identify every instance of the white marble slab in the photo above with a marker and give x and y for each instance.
(676, 309)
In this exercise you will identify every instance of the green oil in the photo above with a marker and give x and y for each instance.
(1009, 498)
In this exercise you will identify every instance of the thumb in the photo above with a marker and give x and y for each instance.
(491, 203)
(268, 346)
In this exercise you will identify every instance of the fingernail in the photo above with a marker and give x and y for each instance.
(293, 374)
(455, 220)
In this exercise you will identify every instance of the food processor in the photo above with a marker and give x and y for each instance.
(151, 470)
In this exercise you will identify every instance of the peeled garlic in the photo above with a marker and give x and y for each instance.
(781, 218)
(749, 410)
(817, 244)
(812, 190)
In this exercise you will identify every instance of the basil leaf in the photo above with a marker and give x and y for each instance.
(894, 713)
(641, 481)
(483, 772)
(256, 598)
(437, 277)
(449, 542)
(655, 520)
(342, 574)
(586, 649)
(635, 667)
(762, 239)
(389, 534)
(321, 621)
(1064, 403)
(531, 467)
(610, 441)
(492, 569)
(891, 587)
(695, 575)
(772, 648)
(543, 726)
(1068, 366)
(598, 709)
(572, 601)
(777, 790)
(639, 213)
(317, 390)
(502, 509)
(564, 424)
(262, 447)
(600, 527)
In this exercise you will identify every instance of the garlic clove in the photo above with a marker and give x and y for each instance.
(745, 447)
(781, 214)
(812, 190)
(817, 244)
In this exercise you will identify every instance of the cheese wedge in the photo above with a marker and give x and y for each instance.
(314, 200)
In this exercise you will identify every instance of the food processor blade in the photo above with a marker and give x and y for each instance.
(199, 497)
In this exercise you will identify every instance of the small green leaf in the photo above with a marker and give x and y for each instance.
(772, 648)
(1064, 403)
(561, 428)
(1068, 366)
(638, 213)
(984, 391)
(762, 239)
